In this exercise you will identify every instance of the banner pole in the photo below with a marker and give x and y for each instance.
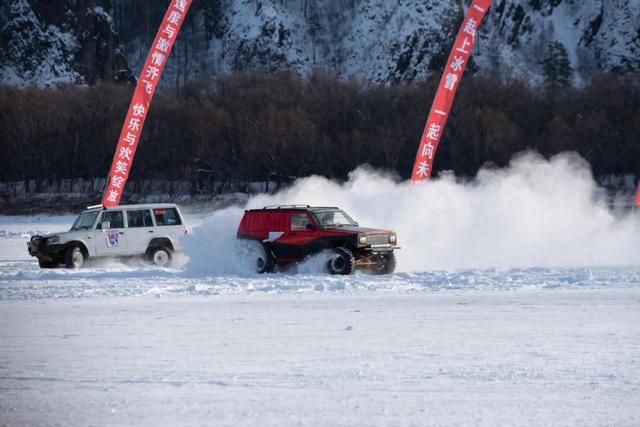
(449, 83)
(142, 97)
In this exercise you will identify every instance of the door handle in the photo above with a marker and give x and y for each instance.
(150, 231)
(121, 232)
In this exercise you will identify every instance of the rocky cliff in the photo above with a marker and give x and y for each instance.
(562, 41)
(49, 43)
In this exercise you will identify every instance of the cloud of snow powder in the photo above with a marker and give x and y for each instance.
(535, 213)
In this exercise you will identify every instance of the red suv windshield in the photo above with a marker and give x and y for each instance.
(333, 218)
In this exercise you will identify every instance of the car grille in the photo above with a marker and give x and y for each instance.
(379, 239)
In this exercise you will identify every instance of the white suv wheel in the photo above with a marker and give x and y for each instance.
(161, 257)
(74, 258)
(78, 258)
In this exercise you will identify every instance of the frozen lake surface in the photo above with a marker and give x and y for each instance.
(123, 344)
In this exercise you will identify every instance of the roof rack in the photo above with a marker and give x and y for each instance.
(285, 206)
(95, 206)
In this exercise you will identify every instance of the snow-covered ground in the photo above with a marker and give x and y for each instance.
(124, 345)
(450, 339)
(474, 357)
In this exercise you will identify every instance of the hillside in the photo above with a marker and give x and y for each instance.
(387, 41)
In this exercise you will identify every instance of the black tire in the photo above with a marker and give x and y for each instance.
(159, 256)
(74, 257)
(47, 264)
(255, 256)
(341, 262)
(265, 263)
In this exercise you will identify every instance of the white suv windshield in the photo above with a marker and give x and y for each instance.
(85, 220)
(333, 218)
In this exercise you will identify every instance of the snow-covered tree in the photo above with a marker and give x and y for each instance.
(557, 66)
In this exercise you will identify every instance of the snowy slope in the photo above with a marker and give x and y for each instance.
(49, 44)
(595, 35)
(42, 53)
(377, 40)
(407, 40)
(382, 40)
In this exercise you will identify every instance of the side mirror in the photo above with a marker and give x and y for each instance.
(311, 227)
(106, 225)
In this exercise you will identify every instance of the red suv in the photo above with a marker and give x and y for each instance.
(282, 235)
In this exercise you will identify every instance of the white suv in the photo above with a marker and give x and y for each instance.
(152, 231)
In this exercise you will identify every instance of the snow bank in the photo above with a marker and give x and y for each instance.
(535, 213)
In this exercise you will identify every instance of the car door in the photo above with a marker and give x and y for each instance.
(140, 230)
(110, 234)
(301, 239)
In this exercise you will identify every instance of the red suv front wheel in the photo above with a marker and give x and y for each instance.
(342, 261)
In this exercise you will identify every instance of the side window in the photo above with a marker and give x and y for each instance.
(138, 219)
(114, 218)
(299, 221)
(146, 218)
(167, 216)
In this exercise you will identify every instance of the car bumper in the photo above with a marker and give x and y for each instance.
(380, 248)
(45, 252)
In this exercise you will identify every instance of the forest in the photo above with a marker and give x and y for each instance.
(257, 127)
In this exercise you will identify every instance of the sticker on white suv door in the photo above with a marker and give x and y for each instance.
(112, 239)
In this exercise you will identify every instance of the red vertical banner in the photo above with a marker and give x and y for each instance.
(139, 108)
(457, 63)
(638, 196)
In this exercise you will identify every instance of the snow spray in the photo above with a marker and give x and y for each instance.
(534, 213)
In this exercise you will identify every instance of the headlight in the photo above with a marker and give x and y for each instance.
(53, 239)
(363, 240)
(392, 238)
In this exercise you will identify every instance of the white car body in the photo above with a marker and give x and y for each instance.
(122, 231)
